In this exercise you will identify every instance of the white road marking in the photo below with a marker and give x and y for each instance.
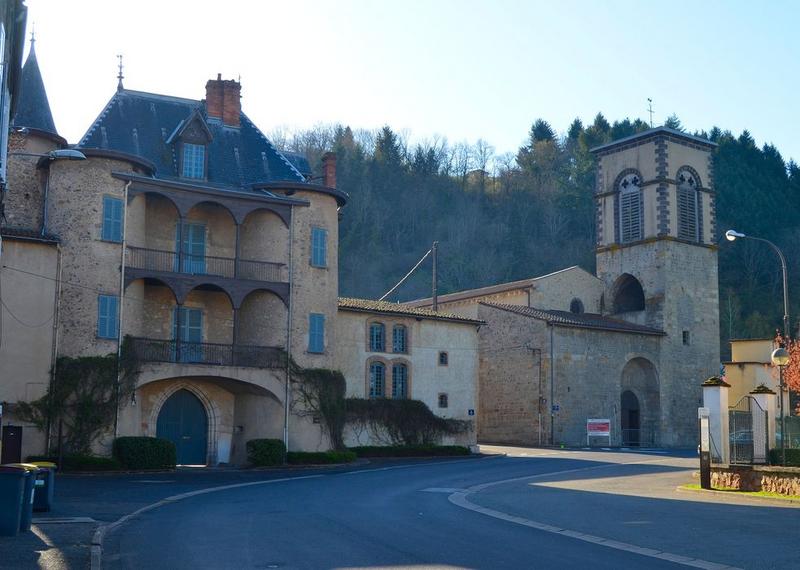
(447, 490)
(460, 499)
(61, 520)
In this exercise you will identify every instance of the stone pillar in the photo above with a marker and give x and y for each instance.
(767, 400)
(715, 398)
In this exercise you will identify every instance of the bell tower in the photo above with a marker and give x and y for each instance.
(656, 254)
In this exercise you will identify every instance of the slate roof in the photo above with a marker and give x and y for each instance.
(141, 123)
(33, 109)
(387, 308)
(582, 320)
(650, 133)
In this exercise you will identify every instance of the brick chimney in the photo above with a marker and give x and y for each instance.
(329, 169)
(223, 100)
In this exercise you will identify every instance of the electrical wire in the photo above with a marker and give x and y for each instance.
(407, 275)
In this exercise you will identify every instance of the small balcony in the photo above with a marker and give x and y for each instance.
(212, 354)
(228, 267)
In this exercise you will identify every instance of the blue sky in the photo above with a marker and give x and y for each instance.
(461, 69)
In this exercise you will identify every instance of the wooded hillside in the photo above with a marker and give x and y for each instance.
(512, 216)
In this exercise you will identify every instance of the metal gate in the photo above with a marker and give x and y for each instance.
(748, 432)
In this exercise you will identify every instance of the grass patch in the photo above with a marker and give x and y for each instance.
(319, 457)
(767, 494)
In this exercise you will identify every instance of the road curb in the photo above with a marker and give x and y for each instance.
(735, 494)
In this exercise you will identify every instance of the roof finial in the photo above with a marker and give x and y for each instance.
(33, 34)
(119, 75)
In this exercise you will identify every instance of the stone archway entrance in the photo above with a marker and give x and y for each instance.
(630, 418)
(183, 420)
(640, 403)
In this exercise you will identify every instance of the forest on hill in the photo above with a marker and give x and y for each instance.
(512, 216)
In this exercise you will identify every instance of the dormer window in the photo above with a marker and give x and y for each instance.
(194, 161)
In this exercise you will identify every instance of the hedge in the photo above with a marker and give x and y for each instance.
(319, 457)
(81, 462)
(145, 452)
(792, 457)
(410, 450)
(265, 452)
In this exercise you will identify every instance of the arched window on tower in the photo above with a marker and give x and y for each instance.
(688, 204)
(628, 294)
(631, 208)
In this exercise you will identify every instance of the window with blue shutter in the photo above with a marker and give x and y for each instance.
(316, 332)
(107, 316)
(319, 247)
(112, 219)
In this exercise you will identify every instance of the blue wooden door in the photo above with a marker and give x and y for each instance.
(183, 421)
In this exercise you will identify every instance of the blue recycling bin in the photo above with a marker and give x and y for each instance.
(26, 516)
(12, 487)
(45, 486)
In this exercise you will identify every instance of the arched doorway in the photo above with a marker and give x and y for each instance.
(631, 421)
(184, 422)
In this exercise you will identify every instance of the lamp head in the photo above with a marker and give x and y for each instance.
(66, 154)
(780, 357)
(731, 235)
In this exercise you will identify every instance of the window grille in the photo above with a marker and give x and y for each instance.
(399, 381)
(442, 400)
(399, 335)
(377, 337)
(443, 359)
(377, 380)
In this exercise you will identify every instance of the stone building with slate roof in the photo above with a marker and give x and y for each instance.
(188, 233)
(631, 344)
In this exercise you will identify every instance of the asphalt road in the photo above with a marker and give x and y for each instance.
(534, 509)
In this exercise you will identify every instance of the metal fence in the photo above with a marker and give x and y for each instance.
(748, 424)
(642, 437)
(155, 350)
(172, 262)
(792, 432)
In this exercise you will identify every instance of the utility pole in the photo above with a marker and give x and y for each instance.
(650, 110)
(435, 277)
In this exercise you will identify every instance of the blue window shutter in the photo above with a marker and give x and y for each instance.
(112, 219)
(107, 316)
(316, 333)
(319, 247)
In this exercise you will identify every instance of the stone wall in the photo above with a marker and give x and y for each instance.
(25, 188)
(781, 480)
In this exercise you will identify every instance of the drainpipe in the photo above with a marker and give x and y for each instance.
(54, 346)
(552, 386)
(44, 200)
(121, 305)
(289, 333)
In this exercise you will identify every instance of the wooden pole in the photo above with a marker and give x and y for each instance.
(435, 277)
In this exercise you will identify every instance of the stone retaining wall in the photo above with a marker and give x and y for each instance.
(774, 479)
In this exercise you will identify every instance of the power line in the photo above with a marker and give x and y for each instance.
(407, 275)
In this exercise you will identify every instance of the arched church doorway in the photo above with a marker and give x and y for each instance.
(184, 422)
(640, 399)
(631, 421)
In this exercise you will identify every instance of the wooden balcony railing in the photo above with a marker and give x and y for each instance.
(155, 350)
(172, 262)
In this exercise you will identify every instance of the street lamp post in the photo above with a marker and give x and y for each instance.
(780, 356)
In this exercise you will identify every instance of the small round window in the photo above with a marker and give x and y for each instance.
(576, 306)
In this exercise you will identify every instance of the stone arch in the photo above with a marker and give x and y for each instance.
(148, 307)
(209, 405)
(576, 306)
(220, 225)
(640, 399)
(264, 237)
(627, 295)
(262, 319)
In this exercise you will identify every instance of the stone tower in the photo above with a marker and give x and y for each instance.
(656, 254)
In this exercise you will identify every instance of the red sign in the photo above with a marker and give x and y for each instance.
(598, 427)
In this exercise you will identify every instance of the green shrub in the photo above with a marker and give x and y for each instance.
(81, 462)
(265, 452)
(792, 457)
(319, 457)
(145, 452)
(410, 450)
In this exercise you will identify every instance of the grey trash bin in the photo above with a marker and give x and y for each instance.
(27, 499)
(12, 487)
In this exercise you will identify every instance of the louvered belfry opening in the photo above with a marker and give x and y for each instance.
(688, 222)
(631, 209)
